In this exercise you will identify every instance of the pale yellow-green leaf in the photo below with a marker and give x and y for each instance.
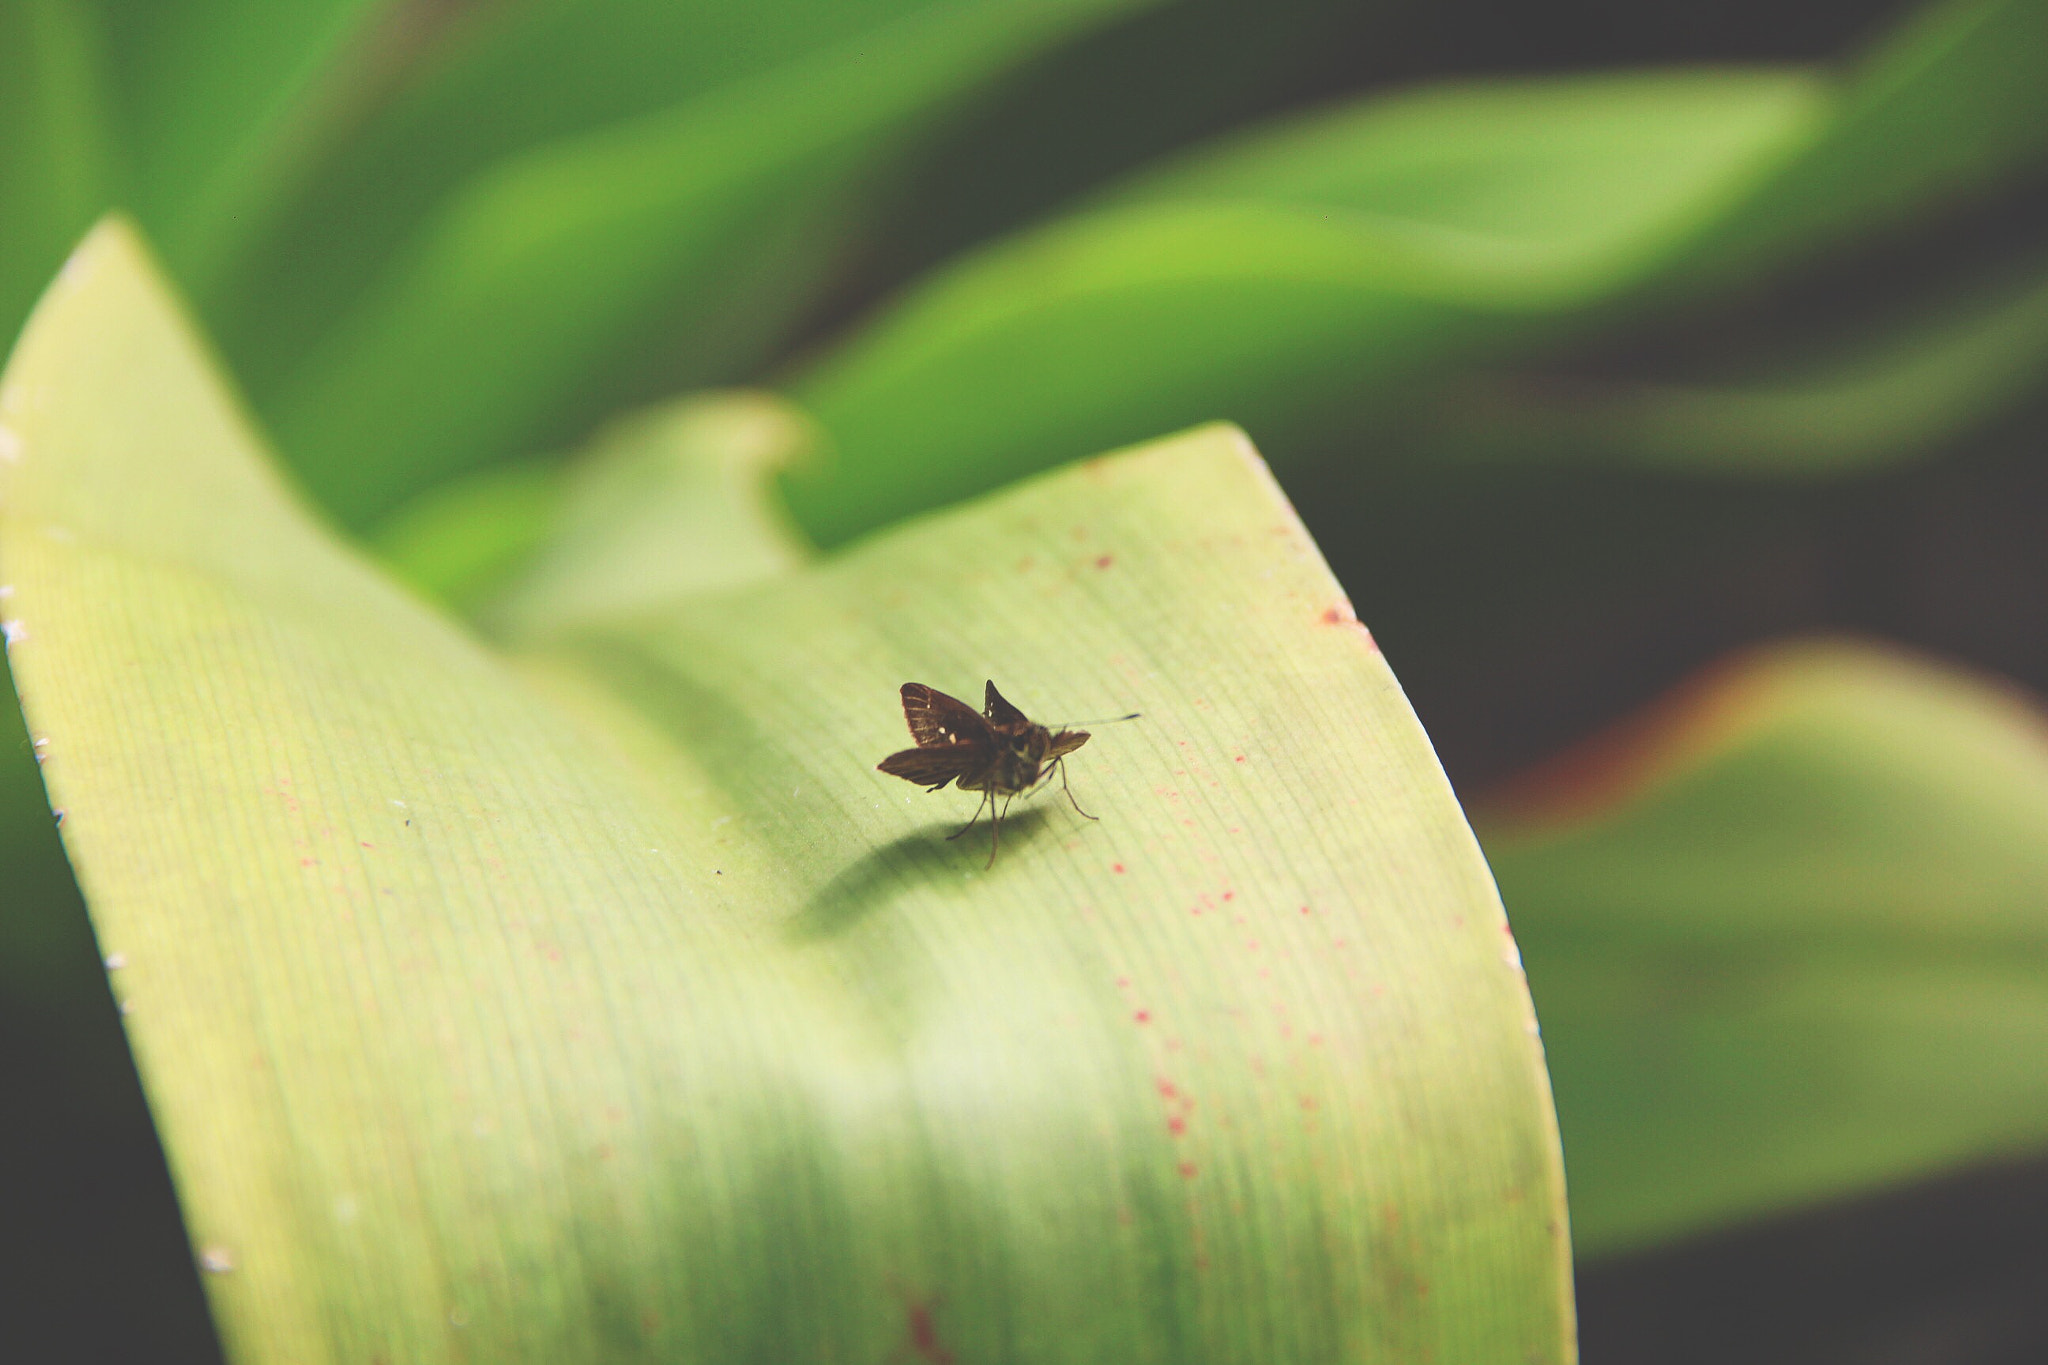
(601, 1002)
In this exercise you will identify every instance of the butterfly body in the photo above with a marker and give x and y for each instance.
(998, 751)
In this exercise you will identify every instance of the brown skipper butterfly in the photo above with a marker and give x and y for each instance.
(998, 751)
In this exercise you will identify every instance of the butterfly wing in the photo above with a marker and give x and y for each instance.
(938, 721)
(932, 768)
(1000, 713)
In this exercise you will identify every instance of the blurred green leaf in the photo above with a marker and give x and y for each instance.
(670, 502)
(56, 154)
(1907, 392)
(462, 542)
(1787, 932)
(599, 1001)
(495, 84)
(1286, 279)
(1115, 100)
(222, 103)
(1949, 106)
(1304, 280)
(520, 299)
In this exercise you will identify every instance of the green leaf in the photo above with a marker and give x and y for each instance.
(460, 543)
(1907, 392)
(1946, 108)
(1787, 935)
(599, 1001)
(56, 152)
(222, 105)
(1291, 279)
(669, 503)
(519, 301)
(1306, 280)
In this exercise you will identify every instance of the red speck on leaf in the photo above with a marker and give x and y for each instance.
(1104, 561)
(1241, 758)
(1143, 1016)
(1230, 895)
(1116, 868)
(1167, 1088)
(1177, 1124)
(1123, 983)
(1308, 1101)
(1187, 1170)
(1343, 615)
(923, 1333)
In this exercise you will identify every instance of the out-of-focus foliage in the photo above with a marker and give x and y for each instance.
(1809, 886)
(1309, 278)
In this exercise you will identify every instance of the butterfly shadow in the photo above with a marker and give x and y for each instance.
(919, 860)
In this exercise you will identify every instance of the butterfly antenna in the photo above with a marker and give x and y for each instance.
(1112, 720)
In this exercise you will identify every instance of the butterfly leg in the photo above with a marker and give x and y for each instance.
(995, 829)
(986, 800)
(1061, 764)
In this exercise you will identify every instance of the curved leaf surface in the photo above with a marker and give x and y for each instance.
(597, 999)
(1788, 931)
